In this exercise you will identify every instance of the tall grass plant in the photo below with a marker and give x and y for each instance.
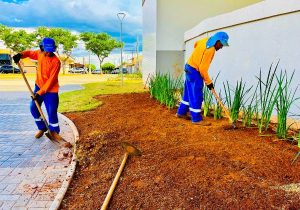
(235, 98)
(268, 96)
(286, 98)
(164, 88)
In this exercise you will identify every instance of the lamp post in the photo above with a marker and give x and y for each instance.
(121, 16)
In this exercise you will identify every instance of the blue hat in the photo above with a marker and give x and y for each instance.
(219, 36)
(48, 45)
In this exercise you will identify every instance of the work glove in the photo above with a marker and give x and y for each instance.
(210, 86)
(17, 58)
(35, 97)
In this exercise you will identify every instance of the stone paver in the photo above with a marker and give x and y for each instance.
(31, 171)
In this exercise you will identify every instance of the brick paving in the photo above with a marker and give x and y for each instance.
(31, 170)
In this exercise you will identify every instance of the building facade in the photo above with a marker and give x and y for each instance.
(260, 35)
(164, 25)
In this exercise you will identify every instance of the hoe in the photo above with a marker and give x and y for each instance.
(129, 150)
(48, 134)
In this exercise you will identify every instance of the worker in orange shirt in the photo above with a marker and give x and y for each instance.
(46, 85)
(197, 73)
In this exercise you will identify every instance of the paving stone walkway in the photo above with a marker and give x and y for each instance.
(31, 170)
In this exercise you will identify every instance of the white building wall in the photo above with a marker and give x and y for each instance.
(149, 38)
(259, 35)
(164, 24)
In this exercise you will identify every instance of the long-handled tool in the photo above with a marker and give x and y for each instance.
(129, 150)
(37, 105)
(223, 107)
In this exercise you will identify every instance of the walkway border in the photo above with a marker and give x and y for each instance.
(65, 184)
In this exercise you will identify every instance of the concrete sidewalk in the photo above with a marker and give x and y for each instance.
(31, 170)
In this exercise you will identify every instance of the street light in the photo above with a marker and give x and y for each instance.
(121, 16)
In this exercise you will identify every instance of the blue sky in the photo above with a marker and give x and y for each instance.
(78, 15)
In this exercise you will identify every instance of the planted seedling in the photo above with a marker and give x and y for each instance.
(286, 98)
(268, 95)
(234, 101)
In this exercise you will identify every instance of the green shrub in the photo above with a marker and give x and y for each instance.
(108, 67)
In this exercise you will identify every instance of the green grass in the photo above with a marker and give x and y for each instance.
(286, 98)
(218, 110)
(250, 110)
(82, 100)
(235, 98)
(164, 88)
(268, 96)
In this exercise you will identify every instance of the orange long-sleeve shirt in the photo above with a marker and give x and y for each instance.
(201, 59)
(47, 71)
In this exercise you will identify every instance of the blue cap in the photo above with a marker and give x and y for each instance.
(48, 45)
(219, 36)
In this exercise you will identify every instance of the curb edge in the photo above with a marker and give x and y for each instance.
(65, 184)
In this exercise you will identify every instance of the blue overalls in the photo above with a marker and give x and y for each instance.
(193, 94)
(51, 102)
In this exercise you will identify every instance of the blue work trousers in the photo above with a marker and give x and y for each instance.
(51, 103)
(192, 95)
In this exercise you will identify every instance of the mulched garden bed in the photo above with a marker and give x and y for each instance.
(183, 166)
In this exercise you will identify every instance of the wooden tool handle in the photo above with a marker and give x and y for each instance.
(114, 184)
(221, 103)
(32, 95)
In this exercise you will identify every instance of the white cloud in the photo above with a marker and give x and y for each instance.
(81, 15)
(78, 16)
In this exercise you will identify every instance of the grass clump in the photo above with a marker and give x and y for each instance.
(217, 109)
(268, 95)
(286, 98)
(164, 88)
(250, 110)
(235, 100)
(207, 101)
(208, 98)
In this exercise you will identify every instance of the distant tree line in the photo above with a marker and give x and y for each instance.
(100, 44)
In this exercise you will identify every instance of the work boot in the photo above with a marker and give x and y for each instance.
(39, 134)
(56, 136)
(202, 123)
(183, 116)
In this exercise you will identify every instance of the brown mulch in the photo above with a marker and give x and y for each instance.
(183, 166)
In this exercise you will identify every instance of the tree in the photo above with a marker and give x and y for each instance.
(17, 40)
(91, 66)
(108, 67)
(100, 44)
(64, 40)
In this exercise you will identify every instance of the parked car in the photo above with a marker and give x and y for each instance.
(6, 69)
(96, 71)
(117, 71)
(78, 70)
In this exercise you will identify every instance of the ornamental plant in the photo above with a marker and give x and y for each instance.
(235, 98)
(165, 89)
(286, 98)
(268, 96)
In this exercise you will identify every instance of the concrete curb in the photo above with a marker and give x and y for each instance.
(64, 187)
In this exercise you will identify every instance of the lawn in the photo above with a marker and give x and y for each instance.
(83, 100)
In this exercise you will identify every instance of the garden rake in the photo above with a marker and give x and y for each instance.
(129, 150)
(223, 107)
(48, 134)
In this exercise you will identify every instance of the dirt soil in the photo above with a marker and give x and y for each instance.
(183, 166)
